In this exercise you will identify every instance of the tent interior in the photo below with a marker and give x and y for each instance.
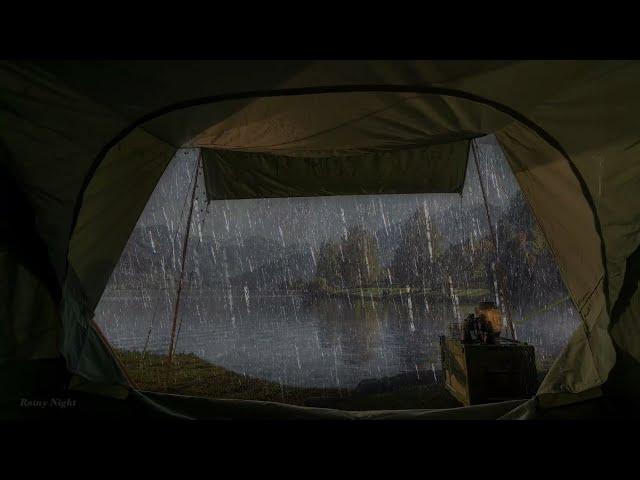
(85, 145)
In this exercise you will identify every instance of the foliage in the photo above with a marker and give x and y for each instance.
(354, 262)
(361, 266)
(329, 263)
(416, 260)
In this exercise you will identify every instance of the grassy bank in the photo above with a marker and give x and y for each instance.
(190, 375)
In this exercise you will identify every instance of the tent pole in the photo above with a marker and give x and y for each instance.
(185, 244)
(497, 271)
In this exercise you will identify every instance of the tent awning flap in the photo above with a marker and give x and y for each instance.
(240, 175)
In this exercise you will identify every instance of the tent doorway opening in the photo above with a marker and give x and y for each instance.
(335, 301)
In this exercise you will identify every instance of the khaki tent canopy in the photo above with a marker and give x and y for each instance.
(82, 145)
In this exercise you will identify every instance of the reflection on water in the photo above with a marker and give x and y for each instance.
(291, 339)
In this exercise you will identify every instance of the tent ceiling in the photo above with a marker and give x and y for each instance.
(344, 124)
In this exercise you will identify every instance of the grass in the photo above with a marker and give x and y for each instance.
(190, 375)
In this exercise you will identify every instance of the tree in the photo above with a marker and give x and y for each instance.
(318, 286)
(329, 263)
(416, 259)
(361, 266)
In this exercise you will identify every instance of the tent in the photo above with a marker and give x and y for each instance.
(83, 143)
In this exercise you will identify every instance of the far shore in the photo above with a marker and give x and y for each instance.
(375, 293)
(381, 293)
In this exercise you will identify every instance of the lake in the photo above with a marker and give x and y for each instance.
(296, 340)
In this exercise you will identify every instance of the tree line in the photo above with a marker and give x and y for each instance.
(421, 260)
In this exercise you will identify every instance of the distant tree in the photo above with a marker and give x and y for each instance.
(417, 259)
(361, 266)
(297, 284)
(318, 286)
(329, 263)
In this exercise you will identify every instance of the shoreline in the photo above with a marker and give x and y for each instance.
(376, 292)
(470, 295)
(192, 376)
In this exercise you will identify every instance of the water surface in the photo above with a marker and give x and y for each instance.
(294, 340)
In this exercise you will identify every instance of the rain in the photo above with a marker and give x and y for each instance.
(330, 292)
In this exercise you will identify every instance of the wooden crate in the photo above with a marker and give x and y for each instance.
(476, 373)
